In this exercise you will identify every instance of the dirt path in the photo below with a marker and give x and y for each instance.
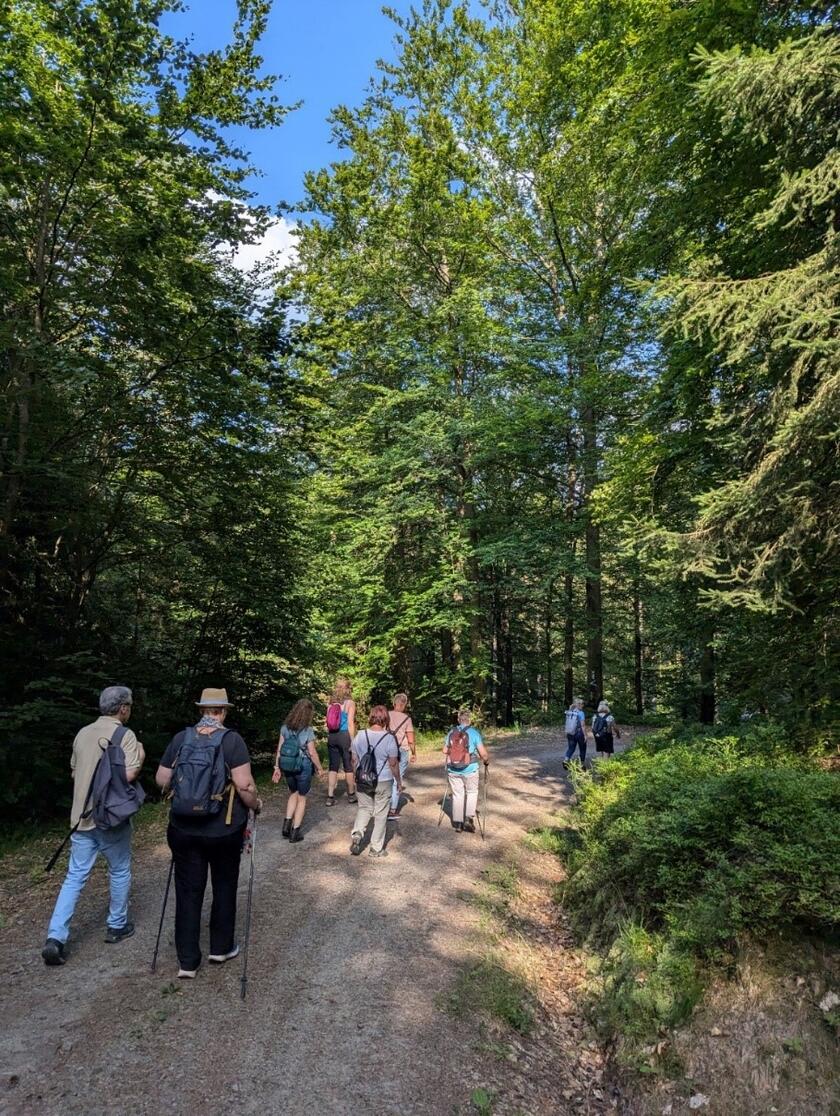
(350, 962)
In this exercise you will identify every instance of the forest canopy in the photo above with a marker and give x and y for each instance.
(547, 403)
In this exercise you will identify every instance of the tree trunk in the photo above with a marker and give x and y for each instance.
(547, 694)
(569, 639)
(508, 670)
(637, 651)
(594, 616)
(707, 681)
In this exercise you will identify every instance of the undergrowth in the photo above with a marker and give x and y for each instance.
(687, 843)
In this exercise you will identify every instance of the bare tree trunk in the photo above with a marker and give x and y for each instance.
(549, 649)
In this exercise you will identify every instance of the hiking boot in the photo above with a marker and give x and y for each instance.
(296, 836)
(356, 846)
(378, 855)
(469, 825)
(116, 934)
(53, 952)
(458, 827)
(220, 958)
(287, 827)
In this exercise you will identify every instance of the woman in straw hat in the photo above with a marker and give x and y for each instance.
(208, 770)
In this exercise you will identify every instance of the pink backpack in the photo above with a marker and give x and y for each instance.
(334, 712)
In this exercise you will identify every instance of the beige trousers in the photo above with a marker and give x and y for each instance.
(464, 788)
(374, 806)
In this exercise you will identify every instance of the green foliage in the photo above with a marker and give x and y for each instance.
(491, 988)
(689, 842)
(646, 983)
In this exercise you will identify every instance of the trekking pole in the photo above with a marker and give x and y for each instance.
(162, 913)
(443, 803)
(484, 803)
(244, 981)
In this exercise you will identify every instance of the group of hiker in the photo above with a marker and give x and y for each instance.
(206, 773)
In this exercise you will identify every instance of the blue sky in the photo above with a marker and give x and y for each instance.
(326, 51)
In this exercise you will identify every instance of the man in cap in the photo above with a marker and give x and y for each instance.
(204, 834)
(87, 842)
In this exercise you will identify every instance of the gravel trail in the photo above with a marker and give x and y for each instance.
(350, 960)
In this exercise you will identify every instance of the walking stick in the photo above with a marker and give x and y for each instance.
(244, 981)
(484, 802)
(162, 913)
(443, 803)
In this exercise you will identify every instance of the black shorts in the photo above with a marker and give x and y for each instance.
(604, 744)
(338, 750)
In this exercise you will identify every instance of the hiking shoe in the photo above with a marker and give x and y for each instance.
(330, 800)
(186, 974)
(220, 958)
(458, 827)
(53, 952)
(378, 855)
(116, 934)
(352, 799)
(356, 846)
(296, 836)
(469, 825)
(393, 815)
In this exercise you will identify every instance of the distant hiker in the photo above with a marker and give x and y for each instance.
(341, 728)
(603, 727)
(297, 758)
(575, 732)
(89, 840)
(376, 763)
(402, 727)
(208, 770)
(462, 750)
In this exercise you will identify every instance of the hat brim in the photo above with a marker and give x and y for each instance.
(214, 704)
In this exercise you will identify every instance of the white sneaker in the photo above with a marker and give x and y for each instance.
(187, 974)
(220, 958)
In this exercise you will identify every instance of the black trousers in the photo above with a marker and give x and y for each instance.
(192, 856)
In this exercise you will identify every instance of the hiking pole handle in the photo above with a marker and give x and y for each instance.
(163, 913)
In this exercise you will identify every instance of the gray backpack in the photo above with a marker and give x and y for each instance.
(112, 798)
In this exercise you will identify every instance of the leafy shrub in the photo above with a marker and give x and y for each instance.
(688, 841)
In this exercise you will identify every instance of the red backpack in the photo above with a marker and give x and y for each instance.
(458, 749)
(334, 711)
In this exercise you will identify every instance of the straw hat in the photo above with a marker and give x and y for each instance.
(214, 698)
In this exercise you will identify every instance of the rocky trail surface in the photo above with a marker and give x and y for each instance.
(351, 971)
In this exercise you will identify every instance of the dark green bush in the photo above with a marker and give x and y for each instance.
(688, 843)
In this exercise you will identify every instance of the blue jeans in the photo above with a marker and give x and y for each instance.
(85, 847)
(395, 796)
(577, 741)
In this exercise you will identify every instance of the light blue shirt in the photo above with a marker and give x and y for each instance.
(474, 737)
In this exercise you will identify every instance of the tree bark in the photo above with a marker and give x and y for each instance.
(594, 615)
(569, 639)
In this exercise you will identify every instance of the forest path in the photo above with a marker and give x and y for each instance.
(350, 963)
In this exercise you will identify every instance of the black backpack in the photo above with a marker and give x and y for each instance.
(367, 777)
(600, 727)
(200, 777)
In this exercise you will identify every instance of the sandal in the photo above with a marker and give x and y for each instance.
(330, 800)
(351, 798)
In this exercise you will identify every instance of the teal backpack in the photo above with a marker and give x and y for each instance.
(291, 754)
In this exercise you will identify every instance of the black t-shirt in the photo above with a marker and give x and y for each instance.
(235, 751)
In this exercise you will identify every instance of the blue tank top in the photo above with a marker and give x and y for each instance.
(343, 726)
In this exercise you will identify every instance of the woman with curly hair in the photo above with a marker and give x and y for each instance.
(297, 758)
